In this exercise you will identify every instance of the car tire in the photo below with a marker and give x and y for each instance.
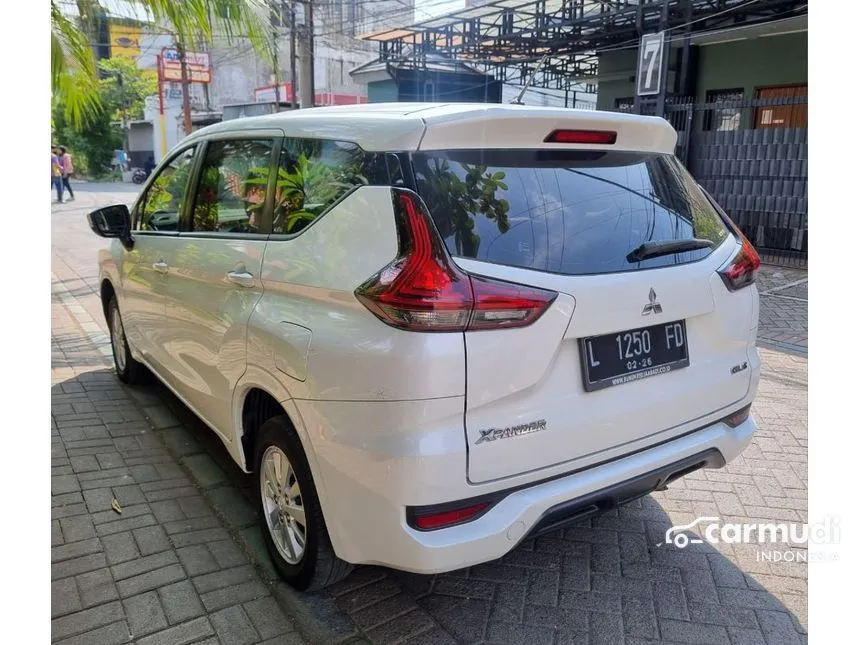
(128, 370)
(302, 555)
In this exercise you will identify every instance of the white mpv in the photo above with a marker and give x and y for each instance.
(435, 331)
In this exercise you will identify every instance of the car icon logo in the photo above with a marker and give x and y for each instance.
(677, 534)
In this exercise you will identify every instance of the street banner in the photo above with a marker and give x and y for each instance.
(198, 64)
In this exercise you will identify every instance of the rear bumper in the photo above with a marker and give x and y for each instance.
(613, 496)
(368, 522)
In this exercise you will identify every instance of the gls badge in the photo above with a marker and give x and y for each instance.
(513, 431)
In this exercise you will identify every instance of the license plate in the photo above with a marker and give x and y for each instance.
(623, 357)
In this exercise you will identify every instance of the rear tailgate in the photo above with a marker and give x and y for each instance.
(634, 349)
(535, 375)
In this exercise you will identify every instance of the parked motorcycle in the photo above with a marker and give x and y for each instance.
(139, 176)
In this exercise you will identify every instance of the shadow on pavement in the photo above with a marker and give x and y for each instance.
(603, 580)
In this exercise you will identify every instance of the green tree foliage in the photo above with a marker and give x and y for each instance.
(454, 200)
(74, 77)
(311, 182)
(125, 85)
(73, 69)
(92, 144)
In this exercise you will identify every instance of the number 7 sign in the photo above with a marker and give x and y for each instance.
(650, 69)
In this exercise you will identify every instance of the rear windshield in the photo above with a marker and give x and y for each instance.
(570, 212)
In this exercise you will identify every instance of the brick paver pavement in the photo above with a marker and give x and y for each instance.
(164, 570)
(783, 317)
(603, 581)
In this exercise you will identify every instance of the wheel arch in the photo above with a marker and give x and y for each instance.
(257, 397)
(107, 293)
(274, 392)
(258, 407)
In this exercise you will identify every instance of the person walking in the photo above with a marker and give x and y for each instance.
(66, 169)
(56, 175)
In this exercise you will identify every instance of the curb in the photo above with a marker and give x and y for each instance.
(791, 348)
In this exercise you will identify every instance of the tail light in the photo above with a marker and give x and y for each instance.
(423, 290)
(742, 269)
(737, 418)
(439, 520)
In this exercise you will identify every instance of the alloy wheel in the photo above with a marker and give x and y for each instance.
(283, 507)
(118, 339)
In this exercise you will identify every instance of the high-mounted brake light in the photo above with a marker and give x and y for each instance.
(603, 137)
(423, 290)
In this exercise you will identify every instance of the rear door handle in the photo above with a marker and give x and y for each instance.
(161, 266)
(242, 278)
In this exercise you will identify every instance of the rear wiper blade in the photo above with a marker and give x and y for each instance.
(666, 247)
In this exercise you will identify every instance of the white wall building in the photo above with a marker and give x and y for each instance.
(239, 73)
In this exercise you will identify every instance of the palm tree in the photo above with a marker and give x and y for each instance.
(74, 77)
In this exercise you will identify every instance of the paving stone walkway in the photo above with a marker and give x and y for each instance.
(164, 570)
(784, 312)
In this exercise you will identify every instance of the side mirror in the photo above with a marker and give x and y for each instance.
(112, 221)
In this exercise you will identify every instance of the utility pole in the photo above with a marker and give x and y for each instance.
(277, 76)
(276, 16)
(206, 98)
(123, 107)
(186, 97)
(293, 75)
(311, 76)
(307, 55)
(162, 129)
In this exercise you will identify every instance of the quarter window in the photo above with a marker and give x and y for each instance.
(313, 174)
(231, 193)
(164, 200)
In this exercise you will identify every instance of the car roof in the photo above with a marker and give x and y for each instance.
(432, 126)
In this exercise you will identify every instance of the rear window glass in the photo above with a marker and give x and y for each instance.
(570, 212)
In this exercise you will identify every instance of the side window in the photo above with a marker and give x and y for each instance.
(231, 192)
(162, 205)
(312, 175)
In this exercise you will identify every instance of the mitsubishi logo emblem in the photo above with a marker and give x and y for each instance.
(653, 306)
